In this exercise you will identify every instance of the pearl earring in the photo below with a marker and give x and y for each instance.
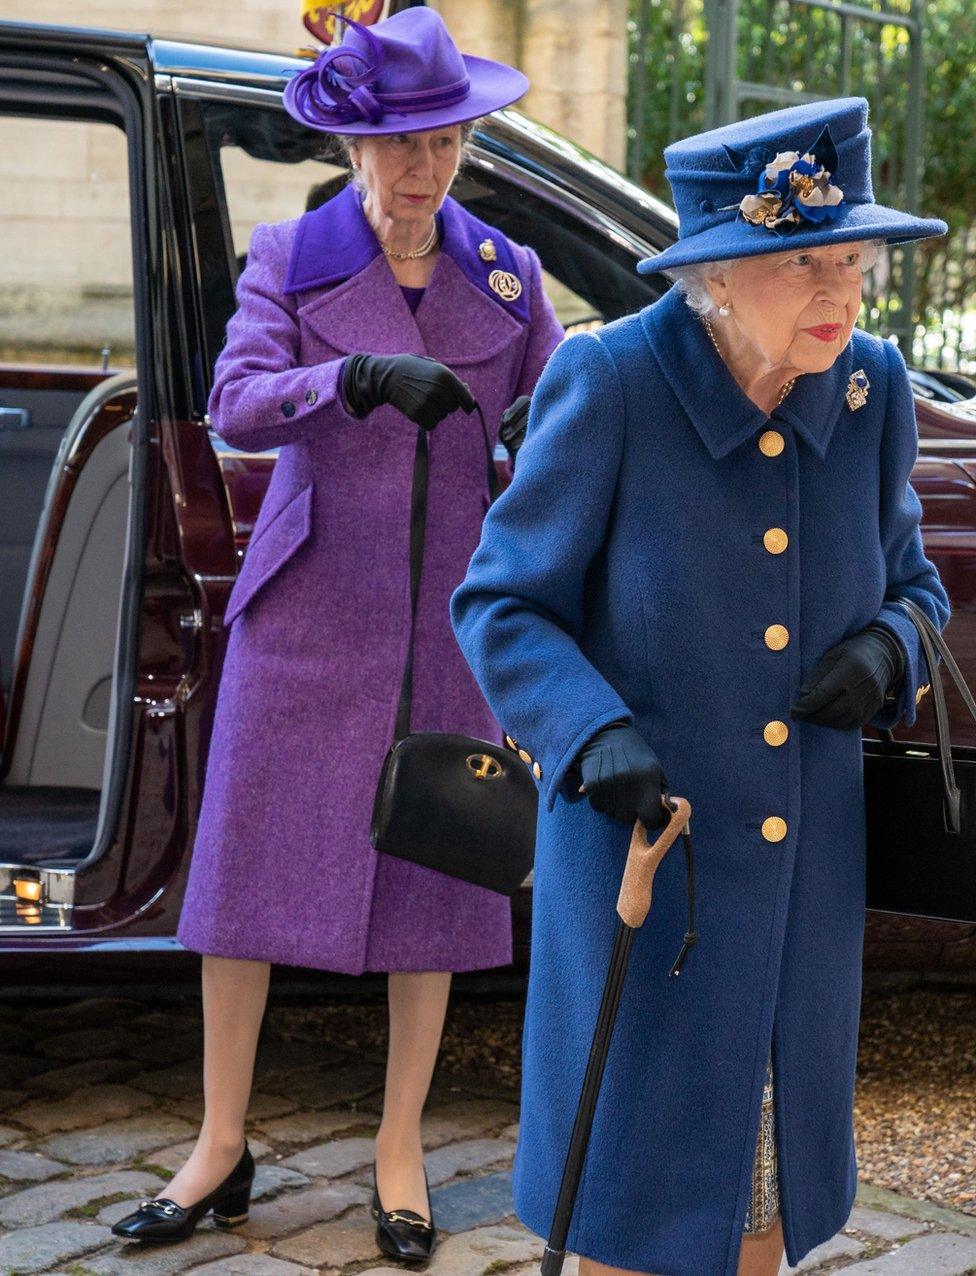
(724, 310)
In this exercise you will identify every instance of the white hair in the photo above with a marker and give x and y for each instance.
(691, 279)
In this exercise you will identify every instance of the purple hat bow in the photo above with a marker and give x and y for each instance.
(334, 91)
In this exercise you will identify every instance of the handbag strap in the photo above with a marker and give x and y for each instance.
(932, 643)
(418, 518)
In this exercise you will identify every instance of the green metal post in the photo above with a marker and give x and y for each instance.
(721, 61)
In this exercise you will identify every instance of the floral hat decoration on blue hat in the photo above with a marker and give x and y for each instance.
(790, 179)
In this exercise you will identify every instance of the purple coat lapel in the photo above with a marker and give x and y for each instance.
(460, 318)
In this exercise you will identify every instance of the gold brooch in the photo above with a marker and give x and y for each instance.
(486, 250)
(507, 285)
(857, 390)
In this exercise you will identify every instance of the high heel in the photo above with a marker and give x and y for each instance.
(404, 1234)
(233, 1208)
(161, 1219)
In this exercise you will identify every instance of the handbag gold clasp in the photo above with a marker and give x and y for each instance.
(483, 766)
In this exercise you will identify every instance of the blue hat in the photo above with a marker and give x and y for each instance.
(790, 179)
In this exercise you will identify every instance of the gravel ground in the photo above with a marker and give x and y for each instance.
(915, 1102)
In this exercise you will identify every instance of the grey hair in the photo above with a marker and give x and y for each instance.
(346, 140)
(691, 279)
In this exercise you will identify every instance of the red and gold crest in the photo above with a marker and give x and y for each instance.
(322, 24)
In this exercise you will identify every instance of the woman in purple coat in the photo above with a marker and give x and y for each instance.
(385, 308)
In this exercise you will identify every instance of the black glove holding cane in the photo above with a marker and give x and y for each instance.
(423, 389)
(622, 776)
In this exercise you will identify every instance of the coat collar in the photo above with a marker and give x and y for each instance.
(336, 241)
(721, 411)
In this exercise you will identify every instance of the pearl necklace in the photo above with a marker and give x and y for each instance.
(422, 251)
(786, 388)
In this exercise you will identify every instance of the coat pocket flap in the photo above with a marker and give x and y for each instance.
(267, 552)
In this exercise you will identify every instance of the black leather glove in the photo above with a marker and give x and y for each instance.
(421, 388)
(622, 775)
(514, 419)
(851, 681)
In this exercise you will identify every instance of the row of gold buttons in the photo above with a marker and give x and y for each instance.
(525, 756)
(776, 637)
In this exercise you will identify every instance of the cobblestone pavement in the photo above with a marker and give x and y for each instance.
(100, 1103)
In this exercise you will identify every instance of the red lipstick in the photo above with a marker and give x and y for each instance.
(825, 331)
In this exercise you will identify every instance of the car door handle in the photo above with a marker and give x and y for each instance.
(14, 418)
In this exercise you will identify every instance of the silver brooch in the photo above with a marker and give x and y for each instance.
(857, 390)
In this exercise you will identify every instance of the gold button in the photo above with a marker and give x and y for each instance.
(775, 540)
(921, 691)
(537, 770)
(510, 742)
(774, 828)
(526, 757)
(777, 636)
(770, 443)
(775, 732)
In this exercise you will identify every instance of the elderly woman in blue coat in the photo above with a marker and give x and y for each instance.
(689, 584)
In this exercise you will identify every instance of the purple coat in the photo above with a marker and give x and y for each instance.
(283, 869)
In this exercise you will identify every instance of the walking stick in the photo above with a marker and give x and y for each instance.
(633, 905)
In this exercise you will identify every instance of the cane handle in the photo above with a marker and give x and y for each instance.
(643, 857)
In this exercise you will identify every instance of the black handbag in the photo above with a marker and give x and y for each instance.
(920, 806)
(463, 806)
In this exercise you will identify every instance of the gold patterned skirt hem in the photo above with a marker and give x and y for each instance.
(763, 1206)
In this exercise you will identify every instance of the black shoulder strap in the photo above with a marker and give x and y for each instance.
(418, 517)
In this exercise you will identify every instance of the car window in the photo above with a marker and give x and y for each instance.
(66, 313)
(268, 168)
(66, 277)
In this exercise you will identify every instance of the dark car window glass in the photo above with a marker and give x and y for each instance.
(267, 168)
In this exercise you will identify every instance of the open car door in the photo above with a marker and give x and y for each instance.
(98, 617)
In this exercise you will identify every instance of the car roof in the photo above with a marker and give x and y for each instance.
(241, 59)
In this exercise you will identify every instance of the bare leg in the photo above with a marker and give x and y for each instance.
(590, 1267)
(418, 1004)
(762, 1252)
(235, 994)
(761, 1255)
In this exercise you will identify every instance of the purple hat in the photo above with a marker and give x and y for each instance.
(402, 75)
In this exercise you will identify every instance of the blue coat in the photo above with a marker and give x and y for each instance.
(624, 574)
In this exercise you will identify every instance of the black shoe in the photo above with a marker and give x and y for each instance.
(403, 1233)
(161, 1219)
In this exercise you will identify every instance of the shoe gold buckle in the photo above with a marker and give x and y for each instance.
(414, 1222)
(158, 1202)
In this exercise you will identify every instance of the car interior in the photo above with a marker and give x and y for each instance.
(67, 410)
